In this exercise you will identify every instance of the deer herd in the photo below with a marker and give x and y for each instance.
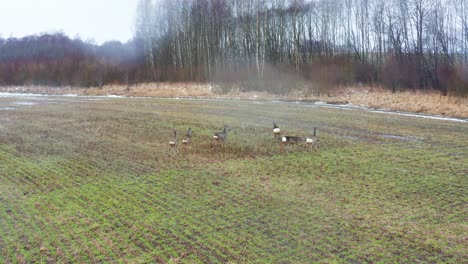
(219, 139)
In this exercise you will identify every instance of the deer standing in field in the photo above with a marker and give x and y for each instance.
(293, 140)
(221, 137)
(313, 141)
(173, 143)
(188, 139)
(276, 130)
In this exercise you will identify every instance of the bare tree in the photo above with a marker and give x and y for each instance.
(199, 39)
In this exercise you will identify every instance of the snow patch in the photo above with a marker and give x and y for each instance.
(24, 103)
(20, 95)
(318, 104)
(13, 95)
(402, 138)
(435, 117)
(383, 111)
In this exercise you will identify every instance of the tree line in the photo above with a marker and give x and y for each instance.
(402, 44)
(273, 45)
(57, 60)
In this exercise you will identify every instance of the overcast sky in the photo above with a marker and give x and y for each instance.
(101, 20)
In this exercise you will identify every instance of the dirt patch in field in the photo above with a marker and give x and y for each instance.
(417, 102)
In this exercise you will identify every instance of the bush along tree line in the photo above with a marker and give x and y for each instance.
(269, 45)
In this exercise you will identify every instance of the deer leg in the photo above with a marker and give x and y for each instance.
(213, 144)
(169, 152)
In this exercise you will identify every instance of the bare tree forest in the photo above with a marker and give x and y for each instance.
(400, 44)
(56, 60)
(274, 45)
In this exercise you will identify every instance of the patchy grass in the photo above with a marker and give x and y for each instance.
(86, 181)
(429, 102)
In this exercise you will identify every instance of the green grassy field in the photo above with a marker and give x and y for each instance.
(91, 181)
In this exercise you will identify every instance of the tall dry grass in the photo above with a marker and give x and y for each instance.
(429, 102)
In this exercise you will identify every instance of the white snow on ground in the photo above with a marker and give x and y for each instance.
(17, 95)
(402, 137)
(318, 104)
(24, 103)
(114, 96)
(421, 116)
(383, 111)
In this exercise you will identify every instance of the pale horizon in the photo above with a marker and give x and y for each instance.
(98, 21)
